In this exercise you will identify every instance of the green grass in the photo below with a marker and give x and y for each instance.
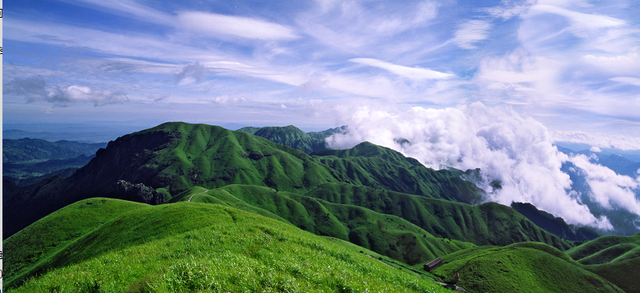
(521, 267)
(196, 247)
(37, 244)
(408, 228)
(615, 258)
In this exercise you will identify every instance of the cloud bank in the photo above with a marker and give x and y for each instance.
(517, 159)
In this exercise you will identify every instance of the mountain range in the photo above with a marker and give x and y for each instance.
(390, 206)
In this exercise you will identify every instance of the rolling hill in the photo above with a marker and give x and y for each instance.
(615, 258)
(185, 247)
(521, 267)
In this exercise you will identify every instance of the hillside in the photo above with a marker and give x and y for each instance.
(408, 228)
(615, 258)
(290, 136)
(153, 165)
(379, 167)
(195, 247)
(555, 225)
(165, 161)
(522, 267)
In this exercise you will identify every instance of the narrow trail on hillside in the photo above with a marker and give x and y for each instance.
(197, 194)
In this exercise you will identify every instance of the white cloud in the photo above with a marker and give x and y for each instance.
(595, 149)
(129, 8)
(404, 71)
(600, 140)
(225, 99)
(212, 24)
(580, 20)
(471, 32)
(516, 151)
(609, 189)
(627, 80)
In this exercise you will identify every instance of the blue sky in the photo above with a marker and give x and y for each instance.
(573, 66)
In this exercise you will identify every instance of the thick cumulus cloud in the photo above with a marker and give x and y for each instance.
(515, 155)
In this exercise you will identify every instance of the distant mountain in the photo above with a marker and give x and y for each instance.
(555, 225)
(329, 132)
(290, 136)
(24, 150)
(28, 161)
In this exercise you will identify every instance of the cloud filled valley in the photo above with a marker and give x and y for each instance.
(516, 157)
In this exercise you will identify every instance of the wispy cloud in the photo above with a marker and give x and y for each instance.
(217, 25)
(404, 71)
(471, 32)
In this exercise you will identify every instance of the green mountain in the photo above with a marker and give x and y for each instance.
(555, 225)
(615, 258)
(408, 228)
(168, 159)
(379, 167)
(107, 245)
(290, 136)
(521, 267)
(247, 197)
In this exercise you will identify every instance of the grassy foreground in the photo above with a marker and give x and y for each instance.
(194, 247)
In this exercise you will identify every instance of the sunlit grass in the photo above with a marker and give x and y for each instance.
(234, 252)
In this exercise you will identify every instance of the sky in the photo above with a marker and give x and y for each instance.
(572, 65)
(471, 84)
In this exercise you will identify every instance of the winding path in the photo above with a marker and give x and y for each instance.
(197, 194)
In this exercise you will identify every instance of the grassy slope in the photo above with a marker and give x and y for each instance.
(616, 258)
(293, 137)
(212, 156)
(408, 228)
(521, 267)
(36, 244)
(209, 248)
(379, 167)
